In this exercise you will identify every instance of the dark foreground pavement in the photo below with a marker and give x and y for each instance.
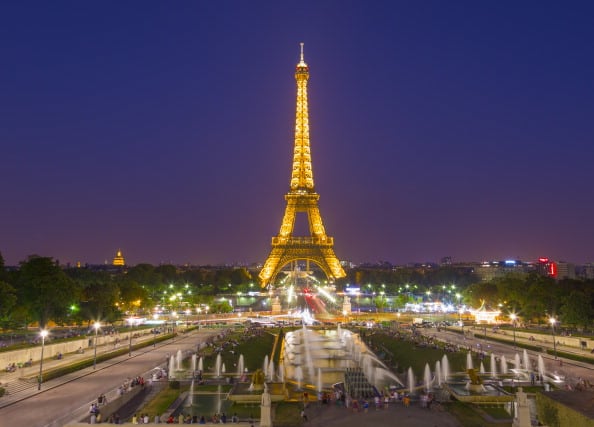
(395, 415)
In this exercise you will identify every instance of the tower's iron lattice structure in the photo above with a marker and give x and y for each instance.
(302, 197)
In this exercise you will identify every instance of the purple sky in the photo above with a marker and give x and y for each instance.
(460, 129)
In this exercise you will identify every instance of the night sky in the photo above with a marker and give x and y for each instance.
(438, 128)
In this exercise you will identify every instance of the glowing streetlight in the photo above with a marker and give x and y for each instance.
(552, 320)
(43, 334)
(96, 325)
(513, 318)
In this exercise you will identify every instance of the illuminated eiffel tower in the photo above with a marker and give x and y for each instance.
(318, 247)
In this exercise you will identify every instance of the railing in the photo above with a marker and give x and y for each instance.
(303, 241)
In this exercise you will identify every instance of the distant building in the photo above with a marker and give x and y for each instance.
(489, 270)
(565, 270)
(118, 260)
(587, 271)
(547, 267)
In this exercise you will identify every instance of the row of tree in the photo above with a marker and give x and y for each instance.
(534, 298)
(40, 291)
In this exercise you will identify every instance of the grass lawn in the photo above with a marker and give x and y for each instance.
(469, 417)
(161, 402)
(406, 353)
(254, 350)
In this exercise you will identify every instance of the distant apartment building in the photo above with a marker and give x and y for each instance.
(565, 270)
(586, 271)
(489, 270)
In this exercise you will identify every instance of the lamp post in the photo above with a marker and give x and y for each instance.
(130, 321)
(43, 334)
(553, 321)
(513, 318)
(174, 319)
(97, 325)
(155, 316)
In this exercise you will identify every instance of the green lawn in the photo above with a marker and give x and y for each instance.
(407, 354)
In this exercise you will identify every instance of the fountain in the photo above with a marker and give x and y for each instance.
(517, 361)
(299, 377)
(482, 369)
(469, 361)
(332, 352)
(493, 366)
(218, 366)
(526, 361)
(223, 369)
(427, 378)
(179, 360)
(445, 364)
(265, 366)
(201, 364)
(171, 372)
(193, 363)
(240, 364)
(190, 400)
(411, 381)
(503, 365)
(271, 370)
(319, 382)
(438, 373)
(541, 368)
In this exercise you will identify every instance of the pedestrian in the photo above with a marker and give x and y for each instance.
(406, 401)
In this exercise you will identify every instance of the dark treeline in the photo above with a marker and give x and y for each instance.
(40, 291)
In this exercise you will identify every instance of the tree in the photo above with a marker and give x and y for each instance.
(8, 300)
(577, 309)
(45, 290)
(99, 302)
(132, 296)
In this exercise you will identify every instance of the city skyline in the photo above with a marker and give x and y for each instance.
(459, 130)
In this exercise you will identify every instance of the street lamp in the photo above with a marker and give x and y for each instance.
(188, 312)
(513, 318)
(131, 322)
(553, 321)
(97, 325)
(43, 334)
(174, 318)
(155, 316)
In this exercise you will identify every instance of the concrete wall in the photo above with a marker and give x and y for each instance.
(113, 406)
(104, 343)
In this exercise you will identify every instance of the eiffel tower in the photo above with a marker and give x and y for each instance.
(302, 198)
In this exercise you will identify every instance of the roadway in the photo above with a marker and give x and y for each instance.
(68, 398)
(570, 369)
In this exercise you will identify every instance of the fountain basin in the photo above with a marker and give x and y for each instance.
(488, 393)
(240, 393)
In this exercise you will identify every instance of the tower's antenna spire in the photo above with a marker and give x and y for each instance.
(302, 61)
